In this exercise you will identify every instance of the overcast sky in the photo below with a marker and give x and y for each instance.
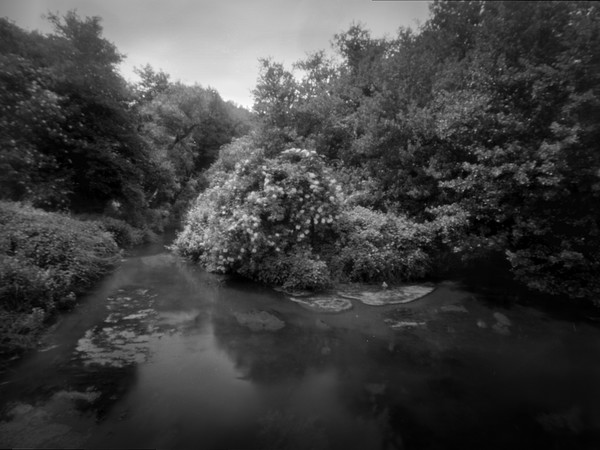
(217, 43)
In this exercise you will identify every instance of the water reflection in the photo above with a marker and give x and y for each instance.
(164, 355)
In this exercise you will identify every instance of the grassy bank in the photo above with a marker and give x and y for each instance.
(46, 261)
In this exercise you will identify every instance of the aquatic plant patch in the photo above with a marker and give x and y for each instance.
(123, 338)
(324, 304)
(398, 295)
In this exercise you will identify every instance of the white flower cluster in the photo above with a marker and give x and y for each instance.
(265, 207)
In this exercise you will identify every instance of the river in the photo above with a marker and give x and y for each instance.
(164, 355)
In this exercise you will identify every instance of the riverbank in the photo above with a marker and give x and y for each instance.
(46, 261)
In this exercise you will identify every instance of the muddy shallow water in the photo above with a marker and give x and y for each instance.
(164, 355)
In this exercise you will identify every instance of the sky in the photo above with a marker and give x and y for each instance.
(218, 43)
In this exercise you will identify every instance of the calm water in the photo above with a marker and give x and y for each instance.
(164, 355)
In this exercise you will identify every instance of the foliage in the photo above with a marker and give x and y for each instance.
(265, 215)
(183, 128)
(233, 154)
(557, 270)
(483, 126)
(20, 331)
(151, 84)
(299, 270)
(48, 258)
(72, 143)
(285, 221)
(527, 147)
(74, 136)
(374, 246)
(275, 97)
(123, 234)
(359, 187)
(31, 116)
(476, 134)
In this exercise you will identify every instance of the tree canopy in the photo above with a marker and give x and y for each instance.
(486, 118)
(76, 136)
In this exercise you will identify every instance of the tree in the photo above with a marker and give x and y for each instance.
(73, 136)
(183, 127)
(151, 83)
(31, 117)
(485, 120)
(274, 99)
(526, 130)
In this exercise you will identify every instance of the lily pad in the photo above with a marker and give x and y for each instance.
(325, 304)
(403, 294)
(124, 338)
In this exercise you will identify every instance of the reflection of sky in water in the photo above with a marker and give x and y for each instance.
(180, 364)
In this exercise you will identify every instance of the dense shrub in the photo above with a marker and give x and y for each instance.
(264, 218)
(285, 221)
(234, 153)
(297, 271)
(557, 270)
(359, 188)
(47, 258)
(23, 285)
(124, 234)
(374, 246)
(186, 198)
(19, 331)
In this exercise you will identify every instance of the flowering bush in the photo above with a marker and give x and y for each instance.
(265, 215)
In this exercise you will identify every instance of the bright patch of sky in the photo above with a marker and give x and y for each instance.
(218, 43)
